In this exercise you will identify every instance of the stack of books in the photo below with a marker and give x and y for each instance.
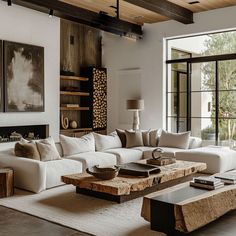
(227, 178)
(207, 182)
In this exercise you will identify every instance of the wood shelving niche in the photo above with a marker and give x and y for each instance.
(70, 103)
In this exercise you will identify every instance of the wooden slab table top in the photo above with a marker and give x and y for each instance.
(124, 188)
(184, 209)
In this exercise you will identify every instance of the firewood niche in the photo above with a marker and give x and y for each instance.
(97, 87)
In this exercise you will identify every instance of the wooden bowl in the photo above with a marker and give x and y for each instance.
(103, 173)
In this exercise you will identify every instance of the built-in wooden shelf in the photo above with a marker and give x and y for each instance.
(65, 77)
(74, 108)
(77, 130)
(74, 93)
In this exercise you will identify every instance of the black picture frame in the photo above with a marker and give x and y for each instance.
(23, 77)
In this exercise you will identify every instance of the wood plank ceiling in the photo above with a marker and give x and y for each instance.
(138, 15)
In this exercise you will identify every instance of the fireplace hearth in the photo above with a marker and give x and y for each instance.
(30, 132)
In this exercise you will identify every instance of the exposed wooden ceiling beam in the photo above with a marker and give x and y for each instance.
(83, 16)
(166, 8)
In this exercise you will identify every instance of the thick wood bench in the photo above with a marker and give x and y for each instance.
(184, 209)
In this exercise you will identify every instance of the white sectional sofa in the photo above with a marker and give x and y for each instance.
(36, 176)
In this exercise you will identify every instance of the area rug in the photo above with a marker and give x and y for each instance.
(91, 215)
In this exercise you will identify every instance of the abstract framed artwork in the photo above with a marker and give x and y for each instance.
(23, 77)
(1, 77)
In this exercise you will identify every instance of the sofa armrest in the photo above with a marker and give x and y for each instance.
(28, 174)
(194, 142)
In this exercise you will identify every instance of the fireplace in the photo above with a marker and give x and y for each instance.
(30, 132)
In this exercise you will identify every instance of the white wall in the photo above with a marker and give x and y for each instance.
(148, 55)
(31, 27)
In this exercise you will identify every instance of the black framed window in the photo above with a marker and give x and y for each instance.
(201, 97)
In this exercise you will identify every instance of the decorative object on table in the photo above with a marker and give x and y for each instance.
(138, 169)
(1, 79)
(73, 124)
(103, 173)
(24, 77)
(227, 178)
(64, 122)
(135, 106)
(158, 158)
(6, 182)
(207, 182)
(31, 135)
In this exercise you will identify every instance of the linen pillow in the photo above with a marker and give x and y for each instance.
(122, 136)
(71, 146)
(175, 140)
(153, 137)
(104, 142)
(146, 138)
(47, 150)
(27, 150)
(133, 138)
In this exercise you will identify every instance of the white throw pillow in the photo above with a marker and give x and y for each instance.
(104, 142)
(71, 146)
(175, 140)
(47, 150)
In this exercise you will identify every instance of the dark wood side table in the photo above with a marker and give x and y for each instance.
(6, 182)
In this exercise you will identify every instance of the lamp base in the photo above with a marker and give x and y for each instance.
(136, 122)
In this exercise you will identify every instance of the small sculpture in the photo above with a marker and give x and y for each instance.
(73, 124)
(157, 153)
(64, 122)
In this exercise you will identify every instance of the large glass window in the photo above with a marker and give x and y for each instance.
(201, 97)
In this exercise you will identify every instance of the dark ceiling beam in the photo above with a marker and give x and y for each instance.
(166, 8)
(83, 16)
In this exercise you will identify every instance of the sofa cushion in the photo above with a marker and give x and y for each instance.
(122, 136)
(104, 142)
(146, 137)
(47, 150)
(90, 159)
(55, 169)
(218, 159)
(194, 142)
(71, 146)
(153, 137)
(133, 138)
(174, 140)
(27, 150)
(126, 155)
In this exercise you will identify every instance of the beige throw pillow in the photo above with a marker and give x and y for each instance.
(146, 138)
(153, 136)
(175, 140)
(27, 150)
(72, 146)
(133, 138)
(104, 142)
(47, 150)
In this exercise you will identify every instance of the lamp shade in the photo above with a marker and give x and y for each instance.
(135, 104)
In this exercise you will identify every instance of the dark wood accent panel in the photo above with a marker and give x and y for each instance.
(84, 51)
(83, 16)
(166, 8)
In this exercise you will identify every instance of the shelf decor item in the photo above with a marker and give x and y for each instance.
(24, 77)
(64, 122)
(73, 124)
(135, 106)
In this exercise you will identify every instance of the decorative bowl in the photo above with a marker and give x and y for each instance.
(103, 173)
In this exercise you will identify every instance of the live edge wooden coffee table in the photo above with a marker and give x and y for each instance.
(125, 188)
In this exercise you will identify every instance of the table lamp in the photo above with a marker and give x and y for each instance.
(135, 106)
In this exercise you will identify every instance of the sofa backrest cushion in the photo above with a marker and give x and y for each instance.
(28, 150)
(122, 136)
(104, 142)
(47, 150)
(153, 138)
(175, 140)
(71, 146)
(195, 142)
(133, 138)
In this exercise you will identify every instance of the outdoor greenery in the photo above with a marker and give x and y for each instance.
(223, 43)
